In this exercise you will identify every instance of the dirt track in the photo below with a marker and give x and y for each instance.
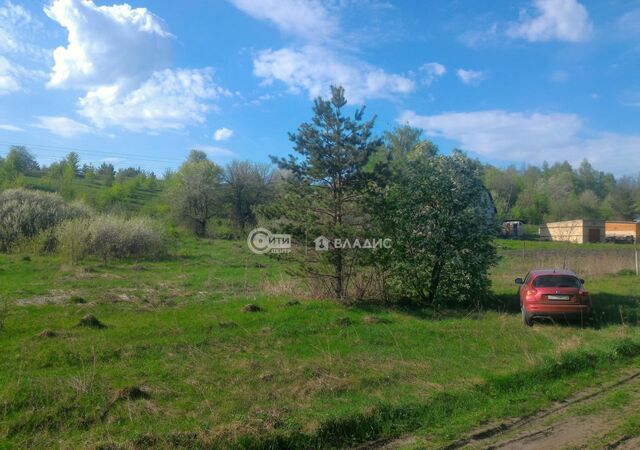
(604, 418)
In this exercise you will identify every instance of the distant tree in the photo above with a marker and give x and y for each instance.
(196, 192)
(436, 212)
(324, 191)
(619, 203)
(504, 185)
(129, 172)
(106, 173)
(20, 160)
(197, 156)
(589, 204)
(72, 161)
(88, 171)
(248, 185)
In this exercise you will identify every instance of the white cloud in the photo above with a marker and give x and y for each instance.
(12, 76)
(17, 28)
(307, 19)
(478, 38)
(106, 44)
(531, 138)
(169, 100)
(120, 57)
(470, 76)
(314, 69)
(62, 126)
(222, 134)
(214, 151)
(9, 79)
(431, 71)
(8, 127)
(563, 20)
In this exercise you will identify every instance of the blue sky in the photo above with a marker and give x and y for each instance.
(142, 83)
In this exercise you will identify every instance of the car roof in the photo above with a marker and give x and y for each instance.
(538, 272)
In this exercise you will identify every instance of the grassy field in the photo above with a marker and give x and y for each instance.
(180, 363)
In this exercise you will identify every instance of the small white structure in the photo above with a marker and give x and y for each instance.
(577, 231)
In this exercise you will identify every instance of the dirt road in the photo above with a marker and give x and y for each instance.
(603, 418)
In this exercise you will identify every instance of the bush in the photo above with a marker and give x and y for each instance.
(440, 221)
(26, 213)
(111, 237)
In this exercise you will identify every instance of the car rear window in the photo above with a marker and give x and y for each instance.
(556, 281)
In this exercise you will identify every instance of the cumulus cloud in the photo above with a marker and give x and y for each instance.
(106, 44)
(431, 71)
(62, 126)
(531, 137)
(120, 57)
(563, 20)
(307, 19)
(314, 69)
(470, 76)
(319, 63)
(169, 100)
(222, 134)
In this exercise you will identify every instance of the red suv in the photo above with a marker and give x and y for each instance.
(554, 294)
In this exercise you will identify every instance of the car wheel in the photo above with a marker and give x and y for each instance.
(526, 318)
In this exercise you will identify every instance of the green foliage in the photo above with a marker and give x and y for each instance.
(248, 185)
(559, 192)
(439, 218)
(25, 213)
(323, 195)
(195, 192)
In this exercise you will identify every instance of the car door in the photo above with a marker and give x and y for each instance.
(522, 288)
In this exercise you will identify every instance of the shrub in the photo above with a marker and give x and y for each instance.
(111, 237)
(438, 216)
(25, 213)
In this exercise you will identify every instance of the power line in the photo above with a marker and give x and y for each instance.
(53, 151)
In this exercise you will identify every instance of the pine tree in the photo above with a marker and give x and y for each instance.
(323, 193)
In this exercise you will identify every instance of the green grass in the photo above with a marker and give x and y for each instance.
(313, 374)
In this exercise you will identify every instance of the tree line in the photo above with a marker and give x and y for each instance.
(438, 212)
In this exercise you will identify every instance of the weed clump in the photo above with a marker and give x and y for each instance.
(372, 320)
(91, 321)
(47, 333)
(77, 300)
(251, 308)
(344, 322)
(132, 393)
